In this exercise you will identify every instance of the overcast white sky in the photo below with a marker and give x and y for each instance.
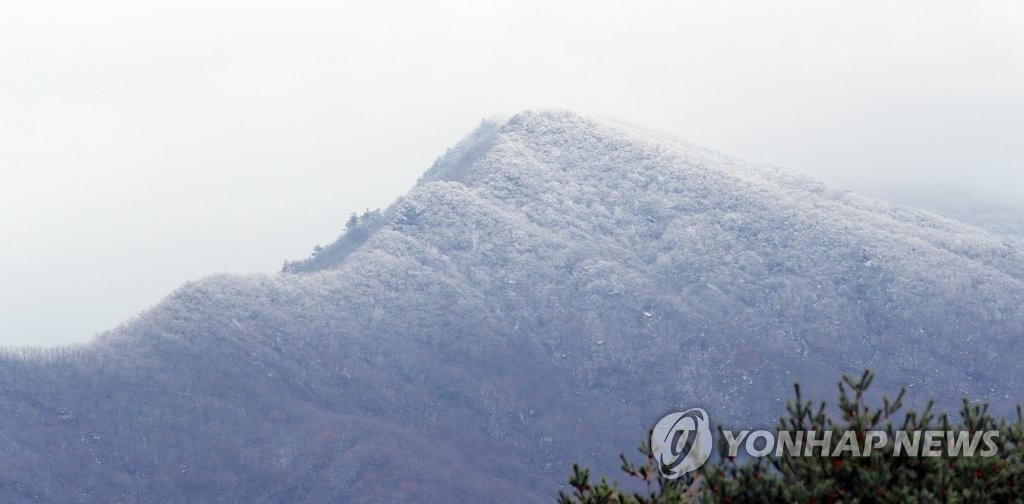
(143, 144)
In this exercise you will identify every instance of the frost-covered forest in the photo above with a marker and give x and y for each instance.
(550, 287)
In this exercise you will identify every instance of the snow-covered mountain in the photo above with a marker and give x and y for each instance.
(551, 287)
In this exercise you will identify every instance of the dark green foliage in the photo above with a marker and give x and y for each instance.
(657, 489)
(878, 477)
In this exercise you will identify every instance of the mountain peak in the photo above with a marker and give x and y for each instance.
(565, 144)
(540, 134)
(552, 285)
(593, 179)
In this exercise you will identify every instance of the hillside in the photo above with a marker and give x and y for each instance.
(549, 288)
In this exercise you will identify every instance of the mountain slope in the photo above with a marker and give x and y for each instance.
(550, 288)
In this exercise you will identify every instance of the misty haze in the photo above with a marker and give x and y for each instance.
(297, 253)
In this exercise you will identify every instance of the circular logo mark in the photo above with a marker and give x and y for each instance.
(681, 442)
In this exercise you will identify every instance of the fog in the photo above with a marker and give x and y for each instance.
(142, 146)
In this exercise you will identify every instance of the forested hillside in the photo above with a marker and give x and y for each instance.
(550, 287)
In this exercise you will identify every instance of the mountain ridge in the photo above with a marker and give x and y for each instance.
(456, 163)
(547, 290)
